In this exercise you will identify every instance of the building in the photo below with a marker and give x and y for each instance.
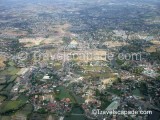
(73, 44)
(108, 81)
(150, 72)
(113, 106)
(24, 74)
(46, 77)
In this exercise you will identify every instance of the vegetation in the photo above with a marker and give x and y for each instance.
(115, 91)
(62, 92)
(144, 88)
(10, 71)
(66, 40)
(2, 98)
(137, 92)
(119, 62)
(138, 70)
(75, 110)
(155, 56)
(105, 104)
(25, 111)
(10, 106)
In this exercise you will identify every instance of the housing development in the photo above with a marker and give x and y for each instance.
(79, 60)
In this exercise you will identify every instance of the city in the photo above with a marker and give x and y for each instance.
(79, 60)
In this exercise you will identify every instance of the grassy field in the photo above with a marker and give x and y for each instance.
(57, 64)
(105, 104)
(23, 98)
(1, 87)
(11, 105)
(10, 71)
(79, 100)
(9, 87)
(10, 74)
(36, 116)
(96, 72)
(12, 78)
(5, 118)
(11, 63)
(64, 93)
(137, 92)
(25, 111)
(2, 81)
(114, 91)
(2, 98)
(92, 68)
(76, 110)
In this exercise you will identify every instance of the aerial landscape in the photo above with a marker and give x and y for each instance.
(79, 60)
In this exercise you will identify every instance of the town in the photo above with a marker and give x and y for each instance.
(59, 61)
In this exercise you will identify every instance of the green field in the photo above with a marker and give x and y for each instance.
(64, 93)
(9, 106)
(11, 63)
(12, 78)
(25, 111)
(1, 87)
(77, 113)
(23, 98)
(5, 118)
(2, 81)
(8, 79)
(10, 71)
(114, 91)
(9, 87)
(57, 65)
(2, 98)
(36, 116)
(79, 100)
(95, 71)
(92, 68)
(105, 104)
(137, 92)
